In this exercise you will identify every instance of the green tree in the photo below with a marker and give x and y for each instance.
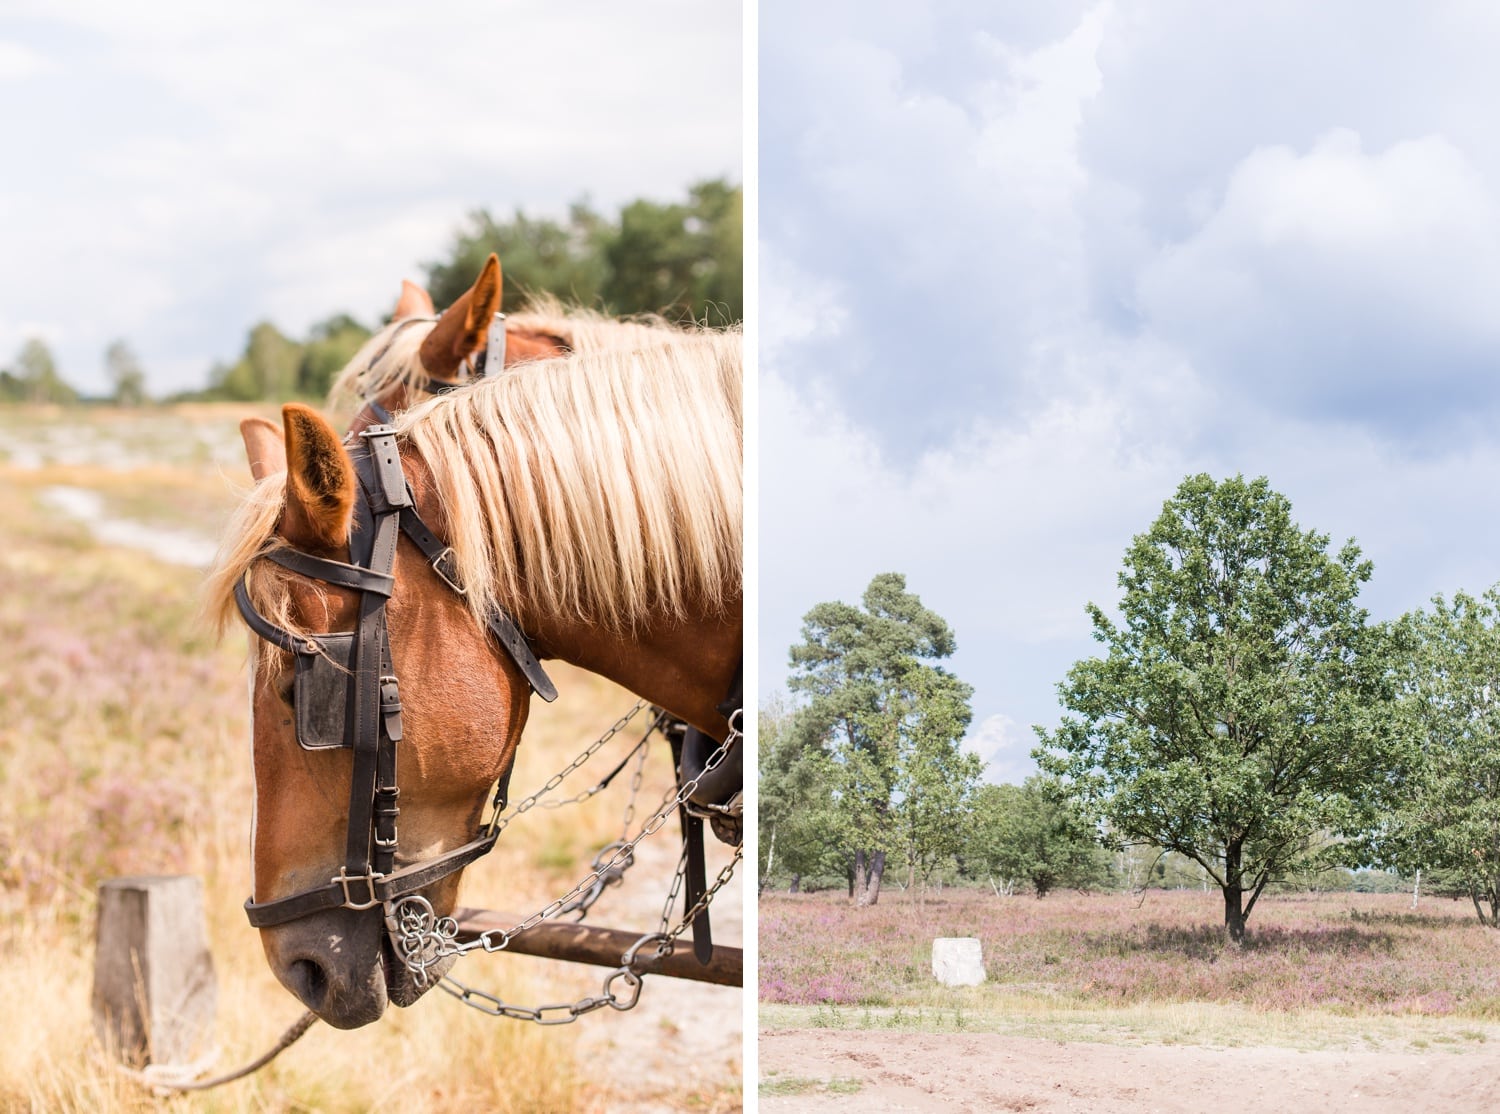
(934, 777)
(1026, 833)
(887, 719)
(267, 369)
(537, 256)
(125, 374)
(682, 260)
(1446, 820)
(330, 345)
(35, 377)
(1243, 707)
(798, 819)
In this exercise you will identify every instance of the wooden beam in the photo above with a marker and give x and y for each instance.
(603, 947)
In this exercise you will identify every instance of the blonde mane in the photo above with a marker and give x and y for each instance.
(390, 359)
(603, 487)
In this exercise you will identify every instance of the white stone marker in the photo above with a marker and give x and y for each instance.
(957, 961)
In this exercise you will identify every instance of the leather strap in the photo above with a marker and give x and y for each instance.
(500, 624)
(333, 572)
(392, 887)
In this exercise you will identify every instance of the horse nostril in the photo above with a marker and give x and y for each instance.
(309, 982)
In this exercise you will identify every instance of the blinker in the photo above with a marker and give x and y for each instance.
(321, 692)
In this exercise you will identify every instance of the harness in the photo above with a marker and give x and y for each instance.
(367, 719)
(493, 356)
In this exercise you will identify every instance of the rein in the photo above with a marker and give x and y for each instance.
(371, 724)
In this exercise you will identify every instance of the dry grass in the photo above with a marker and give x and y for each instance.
(122, 751)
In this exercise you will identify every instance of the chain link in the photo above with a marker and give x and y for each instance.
(564, 1013)
(635, 789)
(421, 938)
(502, 816)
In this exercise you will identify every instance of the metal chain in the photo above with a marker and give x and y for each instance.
(556, 1013)
(421, 939)
(635, 789)
(498, 822)
(564, 1013)
(594, 790)
(676, 888)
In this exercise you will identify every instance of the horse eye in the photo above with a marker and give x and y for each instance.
(285, 684)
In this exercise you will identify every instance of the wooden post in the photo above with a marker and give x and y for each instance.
(154, 987)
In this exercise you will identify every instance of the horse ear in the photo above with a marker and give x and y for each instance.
(263, 446)
(414, 302)
(465, 328)
(320, 482)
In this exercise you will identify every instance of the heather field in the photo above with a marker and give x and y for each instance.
(1338, 1002)
(123, 751)
(1102, 957)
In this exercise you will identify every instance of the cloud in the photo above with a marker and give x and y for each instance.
(1005, 748)
(1342, 284)
(184, 170)
(1006, 531)
(19, 62)
(947, 195)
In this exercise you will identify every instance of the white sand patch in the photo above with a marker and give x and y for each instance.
(180, 547)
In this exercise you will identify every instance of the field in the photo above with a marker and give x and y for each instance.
(123, 751)
(1148, 999)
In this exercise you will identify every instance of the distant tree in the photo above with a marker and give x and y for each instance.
(125, 374)
(1243, 707)
(266, 370)
(683, 260)
(888, 720)
(330, 345)
(1446, 820)
(35, 378)
(798, 816)
(1024, 833)
(935, 778)
(537, 256)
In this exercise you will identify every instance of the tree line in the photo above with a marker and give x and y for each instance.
(1247, 728)
(680, 259)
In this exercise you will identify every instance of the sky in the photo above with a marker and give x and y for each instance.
(174, 171)
(1025, 267)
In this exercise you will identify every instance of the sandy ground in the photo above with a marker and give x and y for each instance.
(877, 1070)
(681, 1047)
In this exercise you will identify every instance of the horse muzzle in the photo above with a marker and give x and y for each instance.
(340, 964)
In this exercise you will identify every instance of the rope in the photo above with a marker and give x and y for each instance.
(157, 1076)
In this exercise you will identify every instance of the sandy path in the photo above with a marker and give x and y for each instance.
(680, 1048)
(991, 1072)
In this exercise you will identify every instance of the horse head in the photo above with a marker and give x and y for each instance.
(593, 502)
(395, 377)
(462, 708)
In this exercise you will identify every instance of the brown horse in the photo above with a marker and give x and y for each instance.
(395, 375)
(596, 499)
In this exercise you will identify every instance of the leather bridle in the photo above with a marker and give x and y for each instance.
(493, 356)
(371, 724)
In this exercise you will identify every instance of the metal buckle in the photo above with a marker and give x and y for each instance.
(369, 878)
(440, 565)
